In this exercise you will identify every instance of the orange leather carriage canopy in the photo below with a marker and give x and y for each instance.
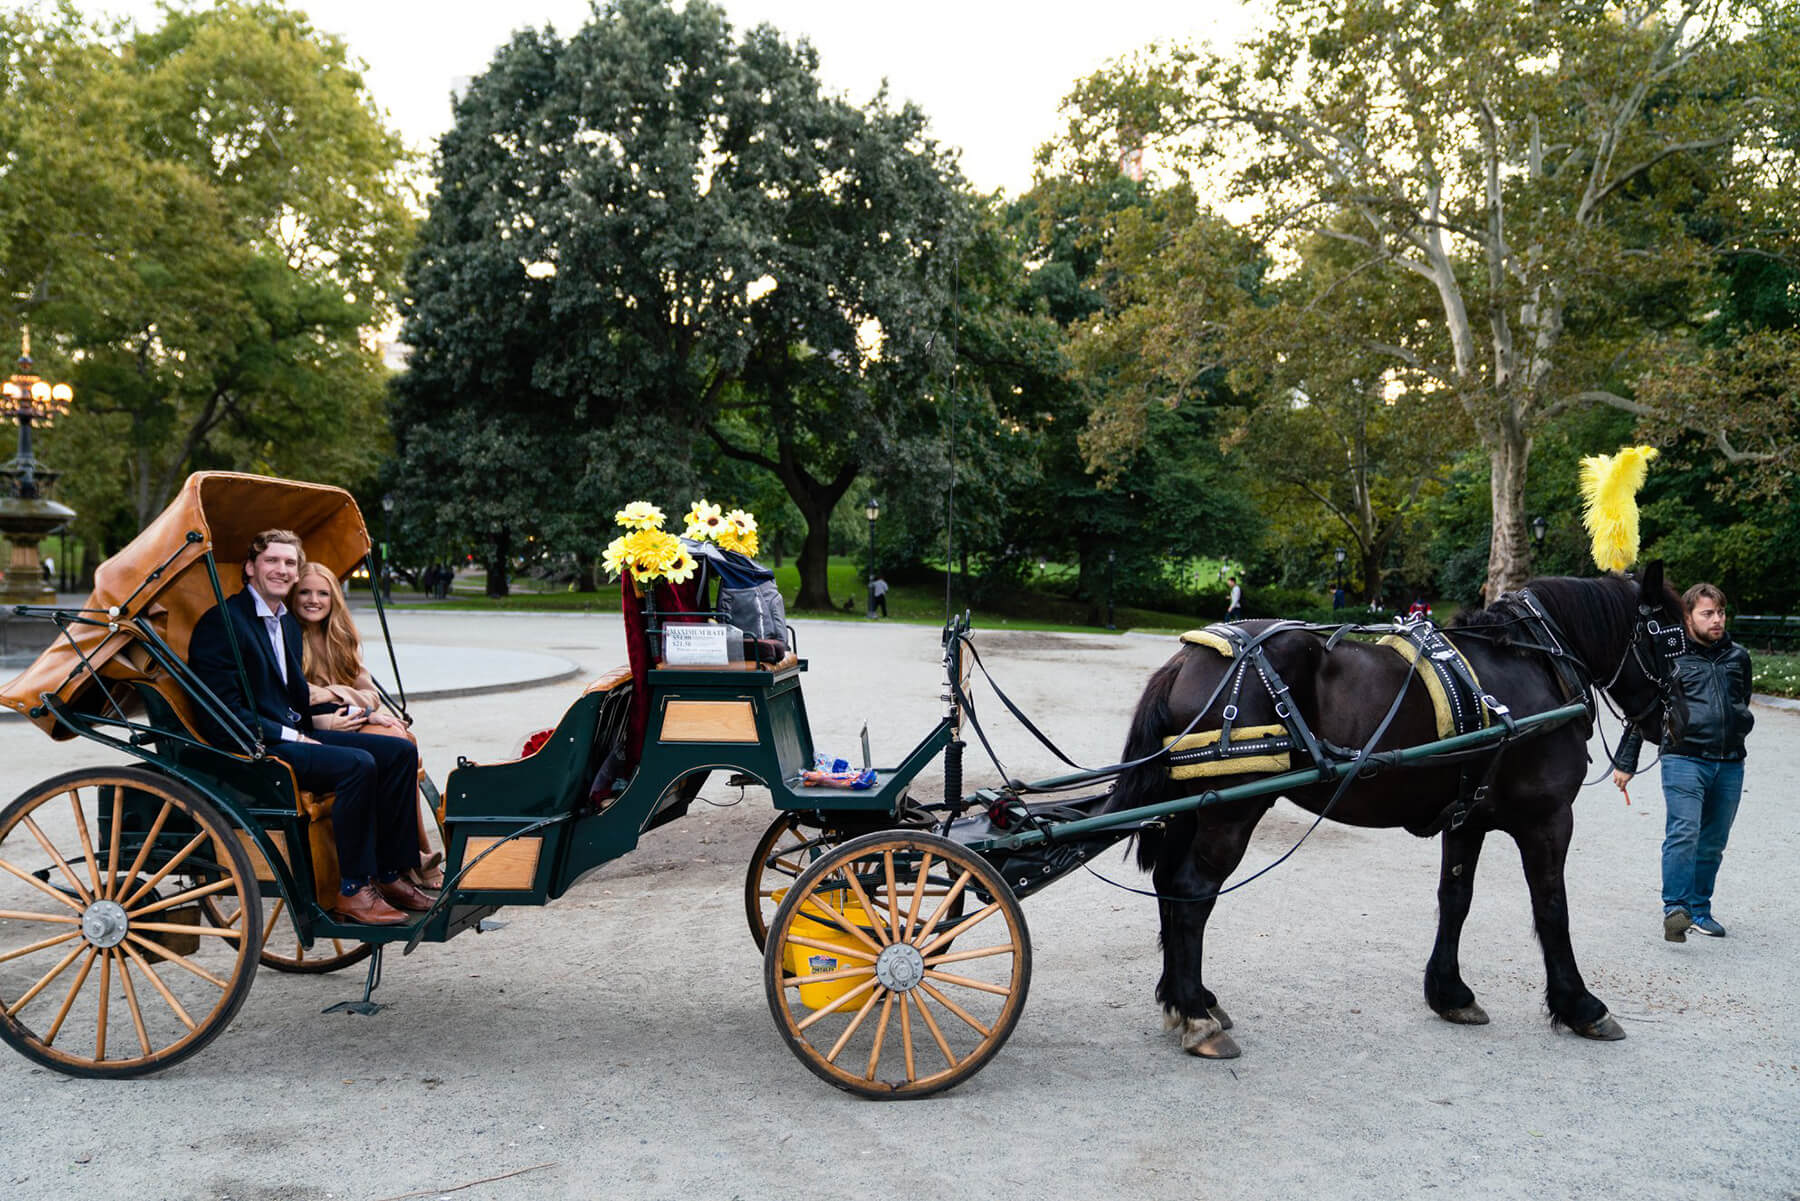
(226, 509)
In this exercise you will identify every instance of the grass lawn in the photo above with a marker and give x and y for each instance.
(923, 605)
(1777, 674)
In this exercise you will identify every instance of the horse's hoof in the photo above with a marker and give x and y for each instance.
(1206, 1038)
(1220, 1016)
(1465, 1015)
(1603, 1028)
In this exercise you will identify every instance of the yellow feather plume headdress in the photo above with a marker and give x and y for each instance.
(1609, 487)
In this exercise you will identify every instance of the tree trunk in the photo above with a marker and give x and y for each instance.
(1509, 554)
(496, 565)
(815, 556)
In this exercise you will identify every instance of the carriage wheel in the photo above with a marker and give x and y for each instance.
(879, 982)
(281, 947)
(105, 966)
(783, 852)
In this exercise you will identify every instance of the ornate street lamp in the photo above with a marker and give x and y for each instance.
(26, 513)
(872, 510)
(1338, 554)
(1539, 527)
(387, 546)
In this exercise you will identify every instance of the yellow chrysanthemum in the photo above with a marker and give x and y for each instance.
(704, 521)
(733, 538)
(640, 515)
(612, 559)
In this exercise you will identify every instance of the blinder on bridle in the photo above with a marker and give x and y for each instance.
(1655, 647)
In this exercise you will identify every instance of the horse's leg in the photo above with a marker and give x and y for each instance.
(1445, 991)
(1544, 849)
(1188, 876)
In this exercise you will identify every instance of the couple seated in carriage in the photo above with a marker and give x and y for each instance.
(306, 691)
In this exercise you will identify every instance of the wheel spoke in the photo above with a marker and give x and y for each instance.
(843, 973)
(137, 1014)
(906, 1041)
(819, 945)
(87, 844)
(887, 867)
(182, 898)
(195, 931)
(947, 905)
(180, 961)
(42, 887)
(913, 908)
(1000, 990)
(156, 983)
(69, 1001)
(953, 1007)
(176, 861)
(87, 898)
(838, 1004)
(937, 1035)
(112, 854)
(856, 1022)
(20, 952)
(965, 956)
(19, 915)
(143, 855)
(881, 1027)
(956, 931)
(274, 916)
(52, 974)
(105, 999)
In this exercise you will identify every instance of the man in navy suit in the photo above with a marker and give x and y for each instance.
(375, 778)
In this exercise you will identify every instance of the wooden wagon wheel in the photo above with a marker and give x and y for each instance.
(106, 968)
(281, 947)
(885, 990)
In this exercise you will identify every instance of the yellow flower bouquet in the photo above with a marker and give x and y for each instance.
(736, 530)
(647, 551)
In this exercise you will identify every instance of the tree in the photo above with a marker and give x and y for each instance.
(652, 233)
(1538, 171)
(218, 234)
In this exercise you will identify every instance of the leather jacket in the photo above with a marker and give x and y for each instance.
(1714, 683)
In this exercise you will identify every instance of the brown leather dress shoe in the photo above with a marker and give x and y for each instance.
(366, 906)
(402, 895)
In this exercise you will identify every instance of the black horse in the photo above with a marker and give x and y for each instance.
(1605, 634)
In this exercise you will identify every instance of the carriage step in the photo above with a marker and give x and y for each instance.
(365, 1007)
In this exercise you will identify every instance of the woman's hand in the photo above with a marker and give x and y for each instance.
(355, 717)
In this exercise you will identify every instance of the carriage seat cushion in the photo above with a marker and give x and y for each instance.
(615, 678)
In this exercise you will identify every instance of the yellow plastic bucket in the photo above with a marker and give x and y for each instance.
(813, 924)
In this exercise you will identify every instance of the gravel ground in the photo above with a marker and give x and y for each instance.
(617, 1043)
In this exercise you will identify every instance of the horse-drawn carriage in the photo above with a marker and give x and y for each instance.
(137, 901)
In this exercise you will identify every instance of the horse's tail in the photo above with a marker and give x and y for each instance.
(1147, 783)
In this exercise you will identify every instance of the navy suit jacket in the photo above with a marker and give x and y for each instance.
(273, 705)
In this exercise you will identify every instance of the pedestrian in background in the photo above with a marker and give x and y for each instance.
(1703, 773)
(1234, 608)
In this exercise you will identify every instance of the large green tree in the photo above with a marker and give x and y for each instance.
(655, 232)
(1546, 175)
(205, 222)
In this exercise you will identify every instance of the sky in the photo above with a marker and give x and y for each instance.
(989, 73)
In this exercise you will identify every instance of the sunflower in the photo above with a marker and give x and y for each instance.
(640, 515)
(741, 521)
(683, 568)
(704, 521)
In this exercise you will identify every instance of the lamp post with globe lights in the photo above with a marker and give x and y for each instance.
(27, 513)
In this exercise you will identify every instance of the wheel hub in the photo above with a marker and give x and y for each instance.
(104, 923)
(900, 967)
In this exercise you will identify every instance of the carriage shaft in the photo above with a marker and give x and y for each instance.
(1269, 785)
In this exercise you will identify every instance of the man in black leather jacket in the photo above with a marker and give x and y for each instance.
(1703, 774)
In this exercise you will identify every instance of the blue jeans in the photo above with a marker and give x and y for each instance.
(1702, 799)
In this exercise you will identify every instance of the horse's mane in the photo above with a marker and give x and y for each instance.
(1590, 612)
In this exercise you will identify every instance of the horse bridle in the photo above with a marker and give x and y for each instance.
(1654, 647)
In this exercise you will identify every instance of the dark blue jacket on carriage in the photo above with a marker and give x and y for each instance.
(1714, 683)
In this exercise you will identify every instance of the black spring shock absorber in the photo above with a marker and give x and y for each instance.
(953, 776)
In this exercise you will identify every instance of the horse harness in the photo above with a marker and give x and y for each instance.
(1459, 702)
